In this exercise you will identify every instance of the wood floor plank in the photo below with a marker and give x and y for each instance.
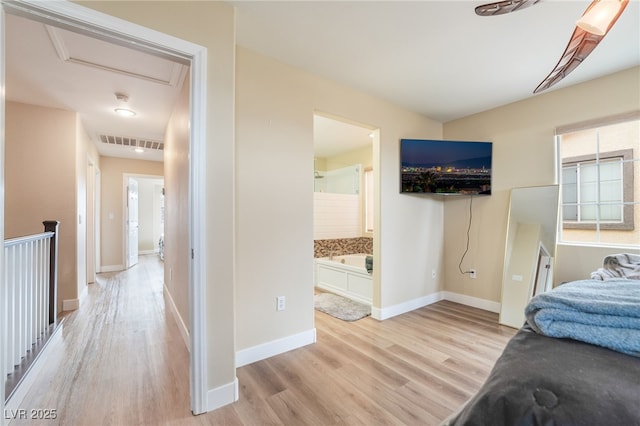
(121, 361)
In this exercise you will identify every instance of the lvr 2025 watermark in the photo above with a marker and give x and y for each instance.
(31, 414)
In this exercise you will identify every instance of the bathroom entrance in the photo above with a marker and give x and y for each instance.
(343, 181)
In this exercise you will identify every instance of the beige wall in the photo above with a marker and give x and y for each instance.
(46, 175)
(524, 150)
(211, 25)
(577, 262)
(112, 212)
(40, 181)
(176, 238)
(274, 231)
(362, 156)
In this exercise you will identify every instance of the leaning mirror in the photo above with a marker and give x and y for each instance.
(530, 249)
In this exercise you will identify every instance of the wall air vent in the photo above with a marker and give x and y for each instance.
(132, 142)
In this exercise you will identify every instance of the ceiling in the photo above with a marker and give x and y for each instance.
(56, 68)
(433, 57)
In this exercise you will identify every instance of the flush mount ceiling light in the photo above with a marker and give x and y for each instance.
(595, 23)
(125, 112)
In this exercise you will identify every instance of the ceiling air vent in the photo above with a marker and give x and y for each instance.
(132, 142)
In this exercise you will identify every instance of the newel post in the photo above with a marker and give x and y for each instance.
(52, 226)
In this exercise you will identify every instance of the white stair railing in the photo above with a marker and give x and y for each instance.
(29, 287)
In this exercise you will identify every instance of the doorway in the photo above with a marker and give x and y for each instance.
(132, 227)
(346, 194)
(79, 19)
(144, 213)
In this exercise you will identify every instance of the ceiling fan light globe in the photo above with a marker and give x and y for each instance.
(597, 19)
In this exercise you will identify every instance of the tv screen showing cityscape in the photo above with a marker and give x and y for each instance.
(445, 167)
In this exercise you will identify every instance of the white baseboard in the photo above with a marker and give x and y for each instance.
(487, 305)
(222, 395)
(70, 304)
(401, 308)
(112, 268)
(145, 252)
(40, 363)
(182, 326)
(275, 347)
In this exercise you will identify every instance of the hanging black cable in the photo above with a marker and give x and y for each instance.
(468, 229)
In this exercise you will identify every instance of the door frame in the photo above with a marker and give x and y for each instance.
(3, 325)
(90, 221)
(116, 30)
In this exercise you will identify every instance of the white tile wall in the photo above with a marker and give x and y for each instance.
(336, 216)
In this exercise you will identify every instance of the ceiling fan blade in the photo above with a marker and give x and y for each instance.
(580, 45)
(502, 7)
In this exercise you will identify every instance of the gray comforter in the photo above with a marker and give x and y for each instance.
(540, 380)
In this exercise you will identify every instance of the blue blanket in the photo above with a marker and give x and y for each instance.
(603, 313)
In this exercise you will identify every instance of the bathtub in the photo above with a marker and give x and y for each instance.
(345, 275)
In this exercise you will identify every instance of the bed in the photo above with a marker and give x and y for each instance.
(576, 361)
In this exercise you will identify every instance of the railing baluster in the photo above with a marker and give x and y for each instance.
(29, 286)
(19, 305)
(29, 296)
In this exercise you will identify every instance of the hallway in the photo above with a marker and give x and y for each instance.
(119, 360)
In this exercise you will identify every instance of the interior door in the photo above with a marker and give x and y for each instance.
(132, 222)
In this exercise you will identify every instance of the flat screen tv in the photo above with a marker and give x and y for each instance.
(445, 167)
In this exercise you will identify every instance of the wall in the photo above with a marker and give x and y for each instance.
(40, 182)
(340, 246)
(112, 206)
(524, 155)
(275, 104)
(336, 215)
(176, 237)
(577, 262)
(211, 25)
(338, 219)
(363, 156)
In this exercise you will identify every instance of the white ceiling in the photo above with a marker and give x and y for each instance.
(433, 57)
(56, 68)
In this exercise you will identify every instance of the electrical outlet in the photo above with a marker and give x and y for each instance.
(472, 274)
(280, 303)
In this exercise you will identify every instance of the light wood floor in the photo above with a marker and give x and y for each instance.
(121, 361)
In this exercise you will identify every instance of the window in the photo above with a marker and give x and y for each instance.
(594, 191)
(600, 181)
